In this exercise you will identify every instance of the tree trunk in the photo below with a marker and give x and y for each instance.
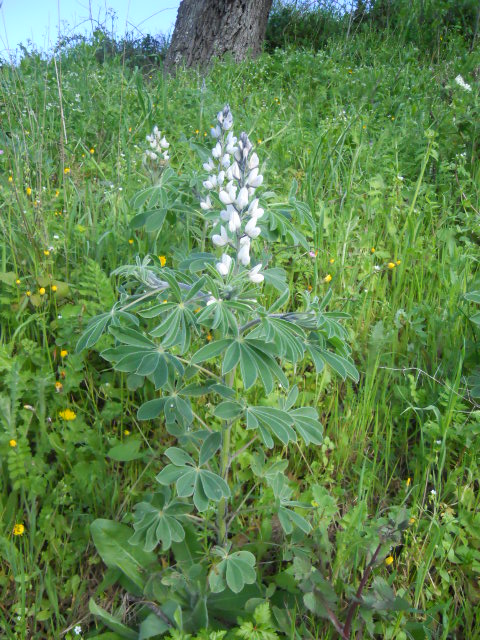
(208, 28)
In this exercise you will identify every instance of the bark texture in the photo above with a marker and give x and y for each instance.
(208, 28)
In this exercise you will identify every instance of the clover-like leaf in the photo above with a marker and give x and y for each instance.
(234, 571)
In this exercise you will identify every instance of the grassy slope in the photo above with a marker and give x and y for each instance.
(384, 149)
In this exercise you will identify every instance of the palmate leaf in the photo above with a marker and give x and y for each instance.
(190, 480)
(285, 425)
(175, 409)
(287, 337)
(139, 355)
(235, 570)
(159, 521)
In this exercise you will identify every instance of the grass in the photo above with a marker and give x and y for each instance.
(382, 146)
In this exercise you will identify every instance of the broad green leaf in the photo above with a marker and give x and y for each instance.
(152, 627)
(126, 451)
(111, 540)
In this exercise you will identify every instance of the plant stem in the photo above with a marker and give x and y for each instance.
(357, 601)
(224, 470)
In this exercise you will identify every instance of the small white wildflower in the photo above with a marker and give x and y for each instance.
(255, 275)
(209, 166)
(206, 204)
(222, 239)
(433, 492)
(377, 267)
(77, 630)
(251, 229)
(234, 223)
(244, 251)
(242, 199)
(217, 150)
(461, 83)
(223, 267)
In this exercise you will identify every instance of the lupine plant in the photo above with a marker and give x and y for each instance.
(212, 340)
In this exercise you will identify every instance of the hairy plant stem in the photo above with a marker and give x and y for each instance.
(224, 470)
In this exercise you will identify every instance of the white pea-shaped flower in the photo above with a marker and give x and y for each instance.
(223, 267)
(234, 223)
(255, 275)
(222, 239)
(206, 204)
(244, 251)
(256, 180)
(242, 199)
(163, 143)
(251, 229)
(209, 166)
(215, 132)
(253, 161)
(217, 150)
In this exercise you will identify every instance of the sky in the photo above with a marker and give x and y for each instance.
(38, 20)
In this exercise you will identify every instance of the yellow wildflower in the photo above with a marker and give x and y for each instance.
(18, 530)
(259, 141)
(92, 151)
(389, 560)
(197, 131)
(314, 503)
(46, 252)
(63, 353)
(327, 278)
(409, 481)
(372, 250)
(126, 432)
(54, 288)
(67, 414)
(163, 260)
(332, 260)
(412, 520)
(129, 129)
(12, 443)
(66, 170)
(391, 265)
(364, 126)
(309, 287)
(29, 191)
(17, 281)
(209, 337)
(28, 293)
(398, 262)
(10, 178)
(41, 291)
(58, 386)
(57, 193)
